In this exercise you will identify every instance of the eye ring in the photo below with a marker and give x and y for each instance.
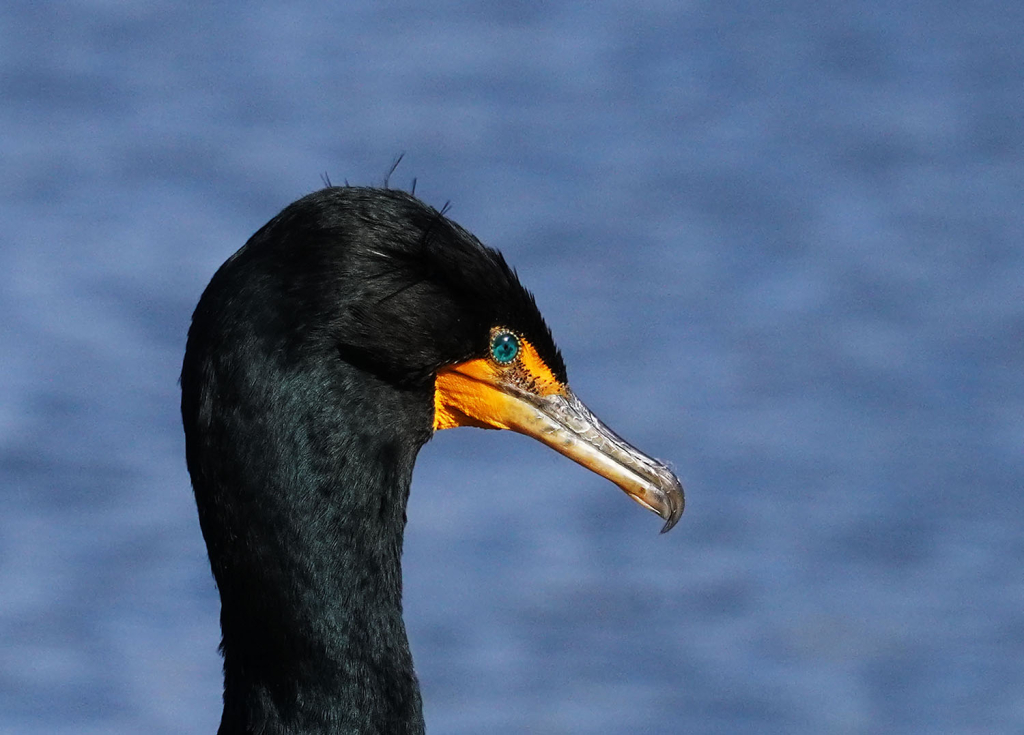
(505, 347)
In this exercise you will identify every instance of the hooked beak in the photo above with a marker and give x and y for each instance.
(566, 425)
(476, 394)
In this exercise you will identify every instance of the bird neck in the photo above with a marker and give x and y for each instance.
(307, 555)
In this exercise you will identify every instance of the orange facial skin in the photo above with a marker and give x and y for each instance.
(476, 392)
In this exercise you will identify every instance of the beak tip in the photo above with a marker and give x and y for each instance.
(674, 505)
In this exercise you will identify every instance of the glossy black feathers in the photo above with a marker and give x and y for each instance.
(395, 285)
(307, 391)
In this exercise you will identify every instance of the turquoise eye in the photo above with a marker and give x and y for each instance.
(504, 347)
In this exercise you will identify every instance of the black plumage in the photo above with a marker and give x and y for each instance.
(307, 391)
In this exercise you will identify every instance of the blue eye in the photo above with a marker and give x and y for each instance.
(504, 347)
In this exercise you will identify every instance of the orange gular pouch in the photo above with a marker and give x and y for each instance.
(485, 393)
(514, 389)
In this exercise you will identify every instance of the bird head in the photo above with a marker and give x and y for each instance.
(402, 292)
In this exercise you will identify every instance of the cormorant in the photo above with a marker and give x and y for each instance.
(321, 357)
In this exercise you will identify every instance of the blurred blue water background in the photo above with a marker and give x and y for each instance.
(780, 245)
